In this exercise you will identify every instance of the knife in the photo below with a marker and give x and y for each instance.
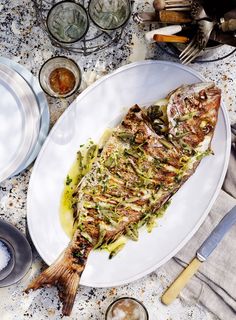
(223, 37)
(163, 17)
(166, 31)
(216, 34)
(203, 253)
(170, 38)
(160, 18)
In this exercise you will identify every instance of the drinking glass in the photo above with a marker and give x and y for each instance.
(109, 14)
(67, 22)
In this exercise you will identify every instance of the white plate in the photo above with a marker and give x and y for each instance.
(19, 121)
(87, 117)
(42, 106)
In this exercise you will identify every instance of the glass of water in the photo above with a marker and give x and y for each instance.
(67, 22)
(109, 14)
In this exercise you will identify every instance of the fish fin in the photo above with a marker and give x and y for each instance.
(66, 280)
(65, 274)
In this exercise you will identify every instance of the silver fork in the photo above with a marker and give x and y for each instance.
(197, 11)
(198, 43)
(176, 5)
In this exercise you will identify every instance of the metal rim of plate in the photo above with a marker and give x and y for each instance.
(87, 45)
(30, 113)
(22, 253)
(42, 105)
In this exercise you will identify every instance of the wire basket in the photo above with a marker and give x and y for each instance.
(95, 39)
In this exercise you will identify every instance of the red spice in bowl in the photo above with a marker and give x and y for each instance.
(60, 77)
(62, 80)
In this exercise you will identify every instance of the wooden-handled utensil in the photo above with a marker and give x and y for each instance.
(174, 17)
(177, 5)
(146, 18)
(203, 253)
(229, 25)
(223, 37)
(170, 38)
(162, 17)
(169, 30)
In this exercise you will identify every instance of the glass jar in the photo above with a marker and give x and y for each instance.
(126, 309)
(60, 77)
(109, 15)
(67, 22)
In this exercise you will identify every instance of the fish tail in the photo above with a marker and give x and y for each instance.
(59, 274)
(65, 273)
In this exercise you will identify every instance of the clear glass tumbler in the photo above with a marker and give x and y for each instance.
(109, 14)
(67, 21)
(126, 309)
(60, 77)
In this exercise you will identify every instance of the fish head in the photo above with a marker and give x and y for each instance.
(192, 112)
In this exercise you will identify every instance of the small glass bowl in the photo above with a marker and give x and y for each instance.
(67, 22)
(54, 64)
(118, 306)
(109, 15)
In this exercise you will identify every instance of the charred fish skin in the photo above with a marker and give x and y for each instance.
(136, 173)
(129, 180)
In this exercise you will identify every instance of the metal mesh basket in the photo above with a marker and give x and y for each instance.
(95, 39)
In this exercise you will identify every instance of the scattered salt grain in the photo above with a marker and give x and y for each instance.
(4, 256)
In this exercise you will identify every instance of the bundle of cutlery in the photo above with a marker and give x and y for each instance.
(188, 21)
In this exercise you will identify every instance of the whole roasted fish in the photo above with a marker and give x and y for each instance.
(144, 162)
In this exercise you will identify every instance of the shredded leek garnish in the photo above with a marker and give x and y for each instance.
(104, 198)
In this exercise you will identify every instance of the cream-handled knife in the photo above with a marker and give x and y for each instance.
(203, 253)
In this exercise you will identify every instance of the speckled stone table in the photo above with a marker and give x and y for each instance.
(23, 41)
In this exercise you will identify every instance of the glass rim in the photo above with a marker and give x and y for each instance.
(75, 3)
(74, 89)
(110, 29)
(128, 298)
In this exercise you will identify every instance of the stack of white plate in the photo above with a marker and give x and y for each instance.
(24, 118)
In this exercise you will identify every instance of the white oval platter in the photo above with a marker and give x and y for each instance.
(87, 117)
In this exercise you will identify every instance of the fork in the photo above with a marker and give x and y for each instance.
(198, 43)
(197, 11)
(176, 5)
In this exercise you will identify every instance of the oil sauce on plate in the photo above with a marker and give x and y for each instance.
(78, 169)
(66, 205)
